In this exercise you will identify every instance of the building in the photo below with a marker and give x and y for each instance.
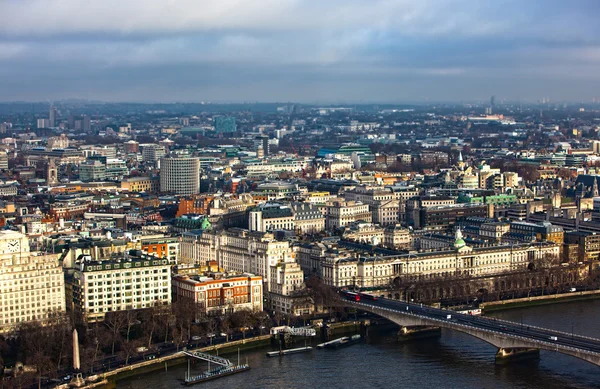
(339, 213)
(43, 123)
(287, 292)
(262, 142)
(225, 124)
(271, 217)
(92, 171)
(587, 246)
(308, 219)
(541, 231)
(277, 190)
(52, 117)
(131, 147)
(217, 296)
(367, 271)
(180, 176)
(153, 152)
(236, 250)
(31, 284)
(135, 282)
(303, 218)
(397, 237)
(161, 247)
(141, 184)
(439, 213)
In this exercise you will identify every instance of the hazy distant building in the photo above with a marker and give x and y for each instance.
(180, 175)
(86, 123)
(43, 123)
(262, 141)
(225, 124)
(52, 116)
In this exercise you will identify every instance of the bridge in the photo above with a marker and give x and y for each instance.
(509, 337)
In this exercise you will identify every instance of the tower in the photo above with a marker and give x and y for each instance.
(52, 116)
(51, 172)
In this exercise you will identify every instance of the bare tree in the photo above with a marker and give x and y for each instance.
(115, 322)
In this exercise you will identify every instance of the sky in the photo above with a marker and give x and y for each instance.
(314, 51)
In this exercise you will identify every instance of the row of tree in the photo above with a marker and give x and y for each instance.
(122, 335)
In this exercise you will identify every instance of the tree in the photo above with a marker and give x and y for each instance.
(225, 325)
(262, 320)
(130, 348)
(36, 343)
(115, 322)
(211, 326)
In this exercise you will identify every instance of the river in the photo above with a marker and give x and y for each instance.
(454, 360)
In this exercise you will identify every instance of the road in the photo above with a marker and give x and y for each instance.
(491, 324)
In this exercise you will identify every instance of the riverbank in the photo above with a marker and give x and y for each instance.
(494, 306)
(163, 363)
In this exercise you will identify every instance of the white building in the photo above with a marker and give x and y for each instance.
(180, 176)
(373, 271)
(287, 292)
(341, 213)
(98, 287)
(31, 284)
(236, 250)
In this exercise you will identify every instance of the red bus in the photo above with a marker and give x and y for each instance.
(351, 296)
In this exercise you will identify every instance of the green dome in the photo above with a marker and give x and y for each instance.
(205, 224)
(459, 243)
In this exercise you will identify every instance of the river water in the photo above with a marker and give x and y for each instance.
(454, 360)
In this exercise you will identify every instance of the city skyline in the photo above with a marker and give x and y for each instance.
(301, 51)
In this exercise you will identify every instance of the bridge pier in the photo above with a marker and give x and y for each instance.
(408, 333)
(510, 355)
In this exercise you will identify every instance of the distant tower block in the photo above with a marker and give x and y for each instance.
(51, 173)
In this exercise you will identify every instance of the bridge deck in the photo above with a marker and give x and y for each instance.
(502, 333)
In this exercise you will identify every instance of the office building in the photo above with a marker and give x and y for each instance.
(180, 176)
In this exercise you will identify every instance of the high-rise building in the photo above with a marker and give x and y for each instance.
(180, 175)
(52, 116)
(225, 124)
(43, 123)
(262, 141)
(87, 123)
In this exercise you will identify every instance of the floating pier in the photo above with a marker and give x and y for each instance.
(289, 351)
(340, 342)
(224, 369)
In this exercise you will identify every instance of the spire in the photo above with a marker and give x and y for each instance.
(595, 188)
(460, 157)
